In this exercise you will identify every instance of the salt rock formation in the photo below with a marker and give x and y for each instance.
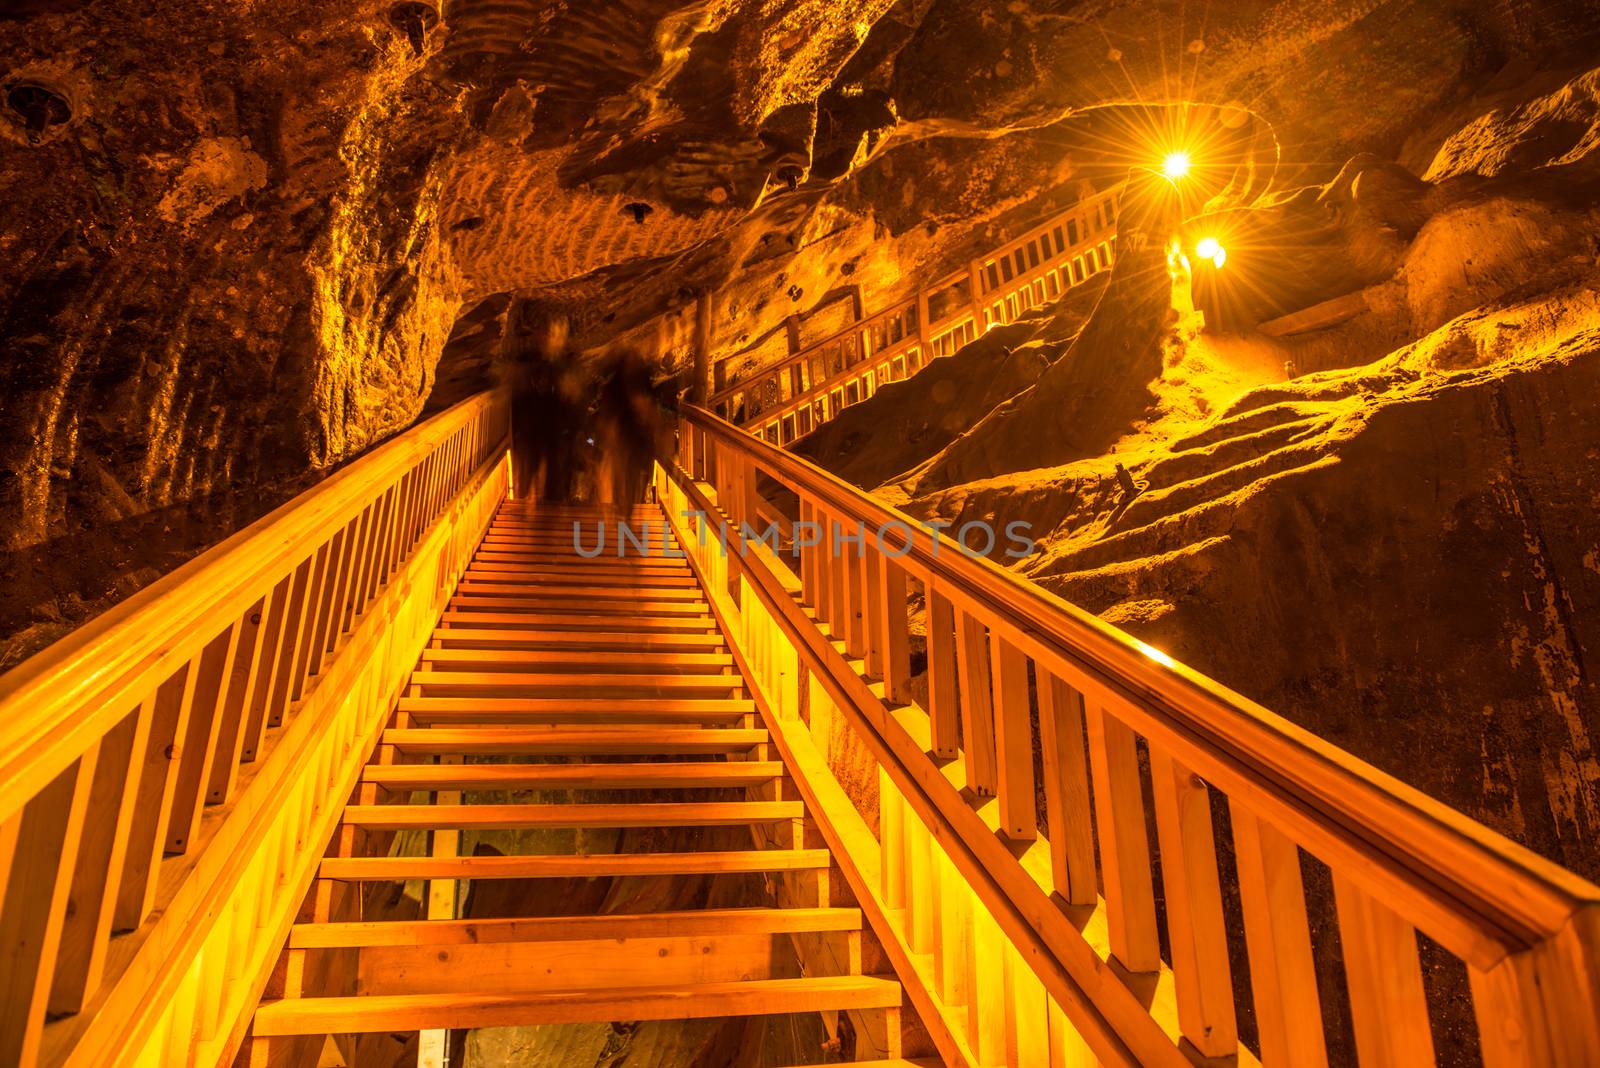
(1398, 549)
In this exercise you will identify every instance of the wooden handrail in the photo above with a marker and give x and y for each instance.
(72, 689)
(166, 770)
(992, 302)
(1525, 928)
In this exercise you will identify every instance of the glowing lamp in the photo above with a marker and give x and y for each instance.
(1211, 249)
(1176, 165)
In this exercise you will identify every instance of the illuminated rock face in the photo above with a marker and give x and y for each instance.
(241, 233)
(1367, 502)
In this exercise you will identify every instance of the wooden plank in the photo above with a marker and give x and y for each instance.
(554, 576)
(489, 638)
(323, 633)
(977, 715)
(86, 931)
(442, 899)
(469, 602)
(699, 774)
(954, 903)
(1066, 790)
(1536, 1007)
(1027, 1024)
(1124, 846)
(893, 638)
(986, 1021)
(288, 630)
(684, 1002)
(360, 566)
(238, 689)
(527, 558)
(554, 591)
(621, 963)
(1283, 973)
(490, 682)
(1388, 1004)
(147, 834)
(305, 631)
(33, 912)
(574, 709)
(943, 711)
(872, 630)
(198, 748)
(543, 930)
(1013, 728)
(518, 817)
(258, 708)
(576, 866)
(596, 740)
(1196, 929)
(508, 659)
(569, 620)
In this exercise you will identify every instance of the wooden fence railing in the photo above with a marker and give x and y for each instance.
(815, 383)
(1028, 941)
(170, 772)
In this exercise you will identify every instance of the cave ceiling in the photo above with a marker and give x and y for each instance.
(240, 235)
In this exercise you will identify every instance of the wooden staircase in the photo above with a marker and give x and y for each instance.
(602, 677)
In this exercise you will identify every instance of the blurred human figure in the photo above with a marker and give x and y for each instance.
(628, 428)
(550, 397)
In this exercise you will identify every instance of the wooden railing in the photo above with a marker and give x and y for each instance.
(1026, 942)
(170, 772)
(815, 383)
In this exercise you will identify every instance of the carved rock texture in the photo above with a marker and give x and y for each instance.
(240, 260)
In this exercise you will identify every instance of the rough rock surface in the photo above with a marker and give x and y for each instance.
(1397, 550)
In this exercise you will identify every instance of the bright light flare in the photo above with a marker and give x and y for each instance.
(1176, 165)
(1209, 248)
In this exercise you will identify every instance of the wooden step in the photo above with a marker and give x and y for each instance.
(324, 1016)
(512, 684)
(633, 565)
(470, 602)
(545, 574)
(533, 659)
(698, 774)
(519, 956)
(576, 866)
(570, 620)
(551, 591)
(460, 711)
(528, 816)
(617, 925)
(554, 556)
(896, 1062)
(536, 741)
(490, 638)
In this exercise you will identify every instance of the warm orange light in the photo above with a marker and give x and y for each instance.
(1209, 248)
(1176, 165)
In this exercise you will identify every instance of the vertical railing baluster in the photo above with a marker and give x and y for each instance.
(1124, 845)
(943, 674)
(1283, 974)
(1196, 930)
(1388, 1004)
(198, 746)
(97, 876)
(1066, 789)
(1013, 732)
(40, 853)
(239, 688)
(169, 709)
(977, 716)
